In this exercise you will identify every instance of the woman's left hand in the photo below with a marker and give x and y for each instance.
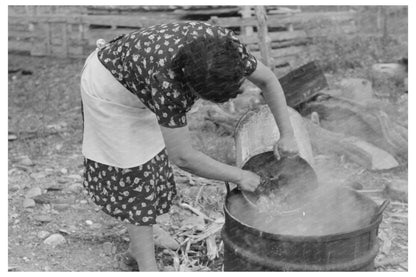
(286, 146)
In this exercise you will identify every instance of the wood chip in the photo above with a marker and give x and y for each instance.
(195, 211)
(212, 249)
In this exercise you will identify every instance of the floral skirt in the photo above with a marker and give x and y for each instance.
(133, 195)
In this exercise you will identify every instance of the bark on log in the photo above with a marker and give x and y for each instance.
(359, 151)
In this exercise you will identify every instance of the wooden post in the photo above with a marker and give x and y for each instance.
(65, 47)
(264, 39)
(379, 18)
(214, 20)
(246, 13)
(81, 29)
(385, 24)
(48, 38)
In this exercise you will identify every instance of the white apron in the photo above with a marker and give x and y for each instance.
(118, 129)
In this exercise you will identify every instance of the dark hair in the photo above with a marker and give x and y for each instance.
(211, 66)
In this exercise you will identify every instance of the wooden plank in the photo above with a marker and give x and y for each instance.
(288, 51)
(281, 45)
(274, 36)
(278, 61)
(282, 20)
(126, 21)
(20, 34)
(234, 21)
(102, 20)
(18, 27)
(310, 16)
(17, 45)
(18, 20)
(291, 61)
(303, 83)
(212, 11)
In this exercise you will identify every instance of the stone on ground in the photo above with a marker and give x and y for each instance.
(33, 192)
(55, 240)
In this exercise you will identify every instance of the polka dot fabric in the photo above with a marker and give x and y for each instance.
(134, 195)
(141, 60)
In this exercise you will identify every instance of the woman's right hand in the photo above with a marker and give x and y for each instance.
(249, 181)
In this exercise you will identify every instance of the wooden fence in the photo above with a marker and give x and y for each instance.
(277, 36)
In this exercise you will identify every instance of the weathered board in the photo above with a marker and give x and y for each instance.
(303, 83)
(42, 26)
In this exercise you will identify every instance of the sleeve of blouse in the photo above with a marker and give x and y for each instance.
(170, 106)
(249, 60)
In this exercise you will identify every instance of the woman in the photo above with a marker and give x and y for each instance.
(136, 91)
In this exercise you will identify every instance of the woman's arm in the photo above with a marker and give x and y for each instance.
(180, 151)
(265, 79)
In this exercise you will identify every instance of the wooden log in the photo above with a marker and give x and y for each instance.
(303, 83)
(370, 124)
(356, 150)
(397, 189)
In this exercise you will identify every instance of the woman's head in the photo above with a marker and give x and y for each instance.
(211, 67)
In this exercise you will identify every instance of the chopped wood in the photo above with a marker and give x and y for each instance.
(12, 268)
(198, 195)
(380, 128)
(212, 249)
(372, 192)
(303, 83)
(12, 137)
(399, 203)
(195, 211)
(359, 151)
(211, 230)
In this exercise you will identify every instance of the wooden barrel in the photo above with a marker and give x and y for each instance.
(249, 249)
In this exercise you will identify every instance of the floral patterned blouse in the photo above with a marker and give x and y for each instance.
(136, 59)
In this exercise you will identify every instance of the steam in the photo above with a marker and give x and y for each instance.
(329, 209)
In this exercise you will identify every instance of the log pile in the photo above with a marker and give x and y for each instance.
(350, 122)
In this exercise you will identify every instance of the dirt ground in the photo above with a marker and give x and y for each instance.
(45, 164)
(44, 113)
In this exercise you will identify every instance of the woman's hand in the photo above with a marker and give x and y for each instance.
(249, 181)
(286, 146)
